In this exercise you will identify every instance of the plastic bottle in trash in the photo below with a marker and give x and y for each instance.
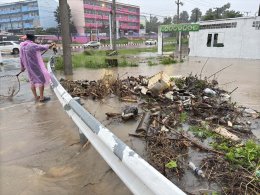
(196, 169)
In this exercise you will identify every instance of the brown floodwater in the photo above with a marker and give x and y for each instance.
(244, 74)
(39, 144)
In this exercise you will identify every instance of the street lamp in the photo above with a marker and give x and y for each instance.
(102, 5)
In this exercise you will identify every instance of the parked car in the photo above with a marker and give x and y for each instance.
(10, 47)
(92, 44)
(150, 42)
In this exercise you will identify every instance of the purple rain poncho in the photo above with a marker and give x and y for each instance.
(30, 59)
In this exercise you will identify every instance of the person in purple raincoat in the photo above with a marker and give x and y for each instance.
(31, 60)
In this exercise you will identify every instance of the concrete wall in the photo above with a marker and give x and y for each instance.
(77, 12)
(240, 42)
(46, 13)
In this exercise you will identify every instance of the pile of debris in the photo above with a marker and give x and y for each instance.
(183, 114)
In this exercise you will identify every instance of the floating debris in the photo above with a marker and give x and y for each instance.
(183, 114)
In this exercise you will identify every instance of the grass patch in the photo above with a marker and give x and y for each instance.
(94, 60)
(151, 63)
(246, 155)
(122, 40)
(168, 48)
(167, 60)
(169, 39)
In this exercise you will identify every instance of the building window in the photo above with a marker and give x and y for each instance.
(209, 40)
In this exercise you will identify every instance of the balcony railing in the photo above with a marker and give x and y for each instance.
(98, 8)
(125, 27)
(105, 17)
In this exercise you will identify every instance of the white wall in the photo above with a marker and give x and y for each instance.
(240, 42)
(77, 12)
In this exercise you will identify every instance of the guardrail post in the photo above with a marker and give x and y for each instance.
(82, 137)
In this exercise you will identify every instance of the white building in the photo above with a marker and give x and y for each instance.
(227, 38)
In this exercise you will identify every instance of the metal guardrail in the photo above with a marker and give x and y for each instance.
(139, 176)
(118, 45)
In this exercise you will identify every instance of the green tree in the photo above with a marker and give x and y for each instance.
(167, 20)
(175, 19)
(57, 18)
(152, 25)
(221, 13)
(195, 15)
(184, 17)
(231, 14)
(209, 15)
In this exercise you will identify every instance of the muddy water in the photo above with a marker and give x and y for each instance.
(244, 74)
(40, 154)
(39, 149)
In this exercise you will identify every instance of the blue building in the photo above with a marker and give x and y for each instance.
(27, 14)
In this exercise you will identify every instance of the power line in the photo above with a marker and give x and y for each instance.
(197, 4)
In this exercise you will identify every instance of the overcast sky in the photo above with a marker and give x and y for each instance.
(169, 8)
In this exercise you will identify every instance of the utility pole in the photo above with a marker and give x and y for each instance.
(259, 10)
(110, 30)
(66, 40)
(114, 23)
(178, 21)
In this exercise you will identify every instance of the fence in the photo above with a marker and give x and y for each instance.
(118, 45)
(140, 177)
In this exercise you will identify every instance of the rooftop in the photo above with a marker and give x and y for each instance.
(230, 19)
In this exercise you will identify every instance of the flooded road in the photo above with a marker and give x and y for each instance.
(40, 151)
(39, 144)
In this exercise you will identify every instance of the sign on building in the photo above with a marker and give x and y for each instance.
(180, 27)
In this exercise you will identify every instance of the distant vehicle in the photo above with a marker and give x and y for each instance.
(92, 44)
(10, 47)
(150, 42)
